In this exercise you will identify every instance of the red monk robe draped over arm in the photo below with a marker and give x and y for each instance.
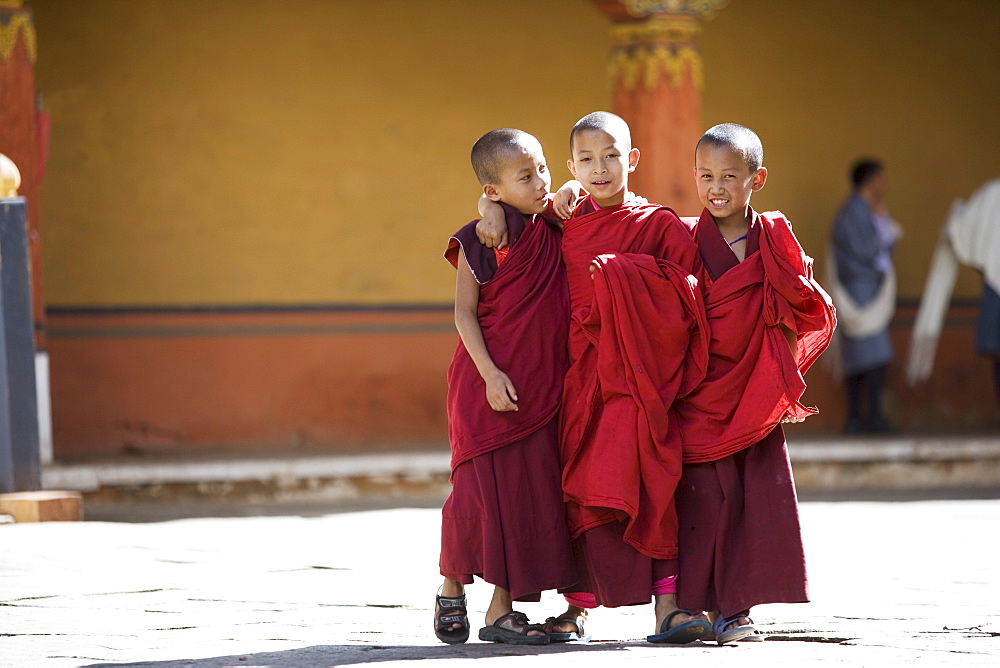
(637, 340)
(753, 381)
(523, 314)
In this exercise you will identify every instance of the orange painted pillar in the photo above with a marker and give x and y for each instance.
(21, 136)
(657, 79)
(24, 139)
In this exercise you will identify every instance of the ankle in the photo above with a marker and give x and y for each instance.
(493, 613)
(664, 603)
(452, 589)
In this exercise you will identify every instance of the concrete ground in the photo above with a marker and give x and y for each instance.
(910, 582)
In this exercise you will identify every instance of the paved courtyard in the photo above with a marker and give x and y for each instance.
(892, 583)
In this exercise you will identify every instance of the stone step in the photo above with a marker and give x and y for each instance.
(819, 465)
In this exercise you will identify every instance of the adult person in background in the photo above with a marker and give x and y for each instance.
(971, 236)
(864, 292)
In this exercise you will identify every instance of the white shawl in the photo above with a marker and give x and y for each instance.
(971, 235)
(854, 320)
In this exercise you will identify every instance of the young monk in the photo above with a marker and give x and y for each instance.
(505, 520)
(637, 341)
(770, 320)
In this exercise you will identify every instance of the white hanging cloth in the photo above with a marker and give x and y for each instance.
(971, 236)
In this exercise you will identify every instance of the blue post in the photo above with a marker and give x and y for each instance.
(20, 461)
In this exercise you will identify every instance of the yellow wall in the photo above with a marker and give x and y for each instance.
(823, 82)
(286, 151)
(296, 151)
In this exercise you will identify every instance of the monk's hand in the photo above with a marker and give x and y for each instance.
(599, 260)
(791, 419)
(500, 392)
(492, 228)
(565, 199)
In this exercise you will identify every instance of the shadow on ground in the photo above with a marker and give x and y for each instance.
(346, 655)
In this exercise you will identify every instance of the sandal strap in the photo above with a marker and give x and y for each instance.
(518, 622)
(450, 610)
(451, 603)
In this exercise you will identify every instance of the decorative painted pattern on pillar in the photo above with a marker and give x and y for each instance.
(20, 138)
(657, 78)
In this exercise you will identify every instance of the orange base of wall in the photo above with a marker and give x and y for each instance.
(958, 397)
(133, 381)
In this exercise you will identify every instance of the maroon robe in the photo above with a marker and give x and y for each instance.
(741, 543)
(523, 314)
(636, 342)
(505, 519)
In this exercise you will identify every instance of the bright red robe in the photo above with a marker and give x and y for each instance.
(637, 340)
(752, 380)
(523, 314)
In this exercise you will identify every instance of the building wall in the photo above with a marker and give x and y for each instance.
(285, 152)
(246, 200)
(135, 381)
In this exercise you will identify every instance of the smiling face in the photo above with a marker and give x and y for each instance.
(725, 182)
(524, 179)
(602, 163)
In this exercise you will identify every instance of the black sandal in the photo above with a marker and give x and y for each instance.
(448, 611)
(513, 629)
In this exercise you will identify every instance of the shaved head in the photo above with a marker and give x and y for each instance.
(606, 122)
(738, 139)
(492, 150)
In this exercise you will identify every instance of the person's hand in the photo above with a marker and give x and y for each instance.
(500, 392)
(492, 227)
(599, 260)
(789, 419)
(565, 199)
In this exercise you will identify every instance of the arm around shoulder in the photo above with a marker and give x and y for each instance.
(492, 228)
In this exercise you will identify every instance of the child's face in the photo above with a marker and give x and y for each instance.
(602, 164)
(725, 182)
(524, 180)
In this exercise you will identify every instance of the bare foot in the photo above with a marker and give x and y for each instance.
(667, 603)
(502, 605)
(572, 612)
(742, 620)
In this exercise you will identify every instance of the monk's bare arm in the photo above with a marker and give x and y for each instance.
(491, 230)
(566, 199)
(500, 391)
